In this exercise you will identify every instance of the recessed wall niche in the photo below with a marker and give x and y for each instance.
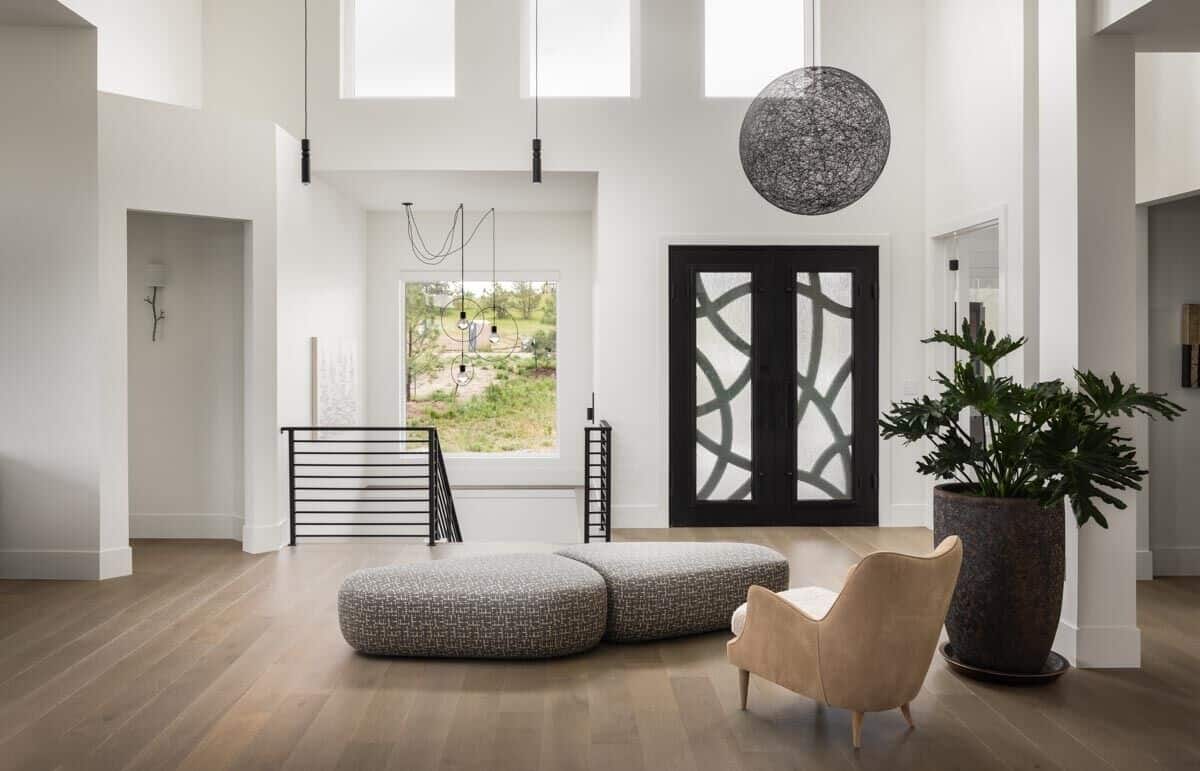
(185, 384)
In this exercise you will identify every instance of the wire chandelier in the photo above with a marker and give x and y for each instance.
(468, 328)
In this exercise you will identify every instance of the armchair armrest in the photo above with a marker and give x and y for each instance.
(780, 643)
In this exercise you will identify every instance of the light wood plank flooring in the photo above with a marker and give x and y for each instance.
(208, 658)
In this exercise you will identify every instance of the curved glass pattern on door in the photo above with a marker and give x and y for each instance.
(824, 387)
(723, 386)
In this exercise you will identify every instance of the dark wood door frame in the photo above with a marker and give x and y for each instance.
(773, 386)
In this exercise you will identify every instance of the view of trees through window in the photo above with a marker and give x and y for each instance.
(510, 404)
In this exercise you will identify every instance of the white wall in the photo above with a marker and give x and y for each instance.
(303, 275)
(980, 142)
(1168, 125)
(50, 447)
(162, 158)
(150, 49)
(1174, 279)
(668, 167)
(1089, 274)
(322, 281)
(185, 389)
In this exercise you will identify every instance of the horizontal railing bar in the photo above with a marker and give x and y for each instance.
(422, 429)
(362, 476)
(333, 512)
(361, 500)
(363, 441)
(362, 465)
(362, 524)
(367, 488)
(364, 535)
(363, 453)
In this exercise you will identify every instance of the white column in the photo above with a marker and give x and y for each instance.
(1088, 302)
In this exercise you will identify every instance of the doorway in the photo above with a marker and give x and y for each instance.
(773, 367)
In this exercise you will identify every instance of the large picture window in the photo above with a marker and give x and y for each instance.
(585, 49)
(398, 48)
(510, 404)
(749, 43)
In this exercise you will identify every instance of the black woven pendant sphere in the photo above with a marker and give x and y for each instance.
(815, 140)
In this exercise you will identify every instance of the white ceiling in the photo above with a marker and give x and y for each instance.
(38, 13)
(1158, 25)
(477, 190)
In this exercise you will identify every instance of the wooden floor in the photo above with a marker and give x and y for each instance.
(208, 658)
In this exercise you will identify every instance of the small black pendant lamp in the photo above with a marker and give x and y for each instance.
(537, 140)
(305, 155)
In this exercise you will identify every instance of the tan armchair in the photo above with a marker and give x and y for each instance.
(871, 651)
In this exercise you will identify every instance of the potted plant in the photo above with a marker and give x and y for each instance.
(1006, 484)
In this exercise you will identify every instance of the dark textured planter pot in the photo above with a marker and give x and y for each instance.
(1008, 600)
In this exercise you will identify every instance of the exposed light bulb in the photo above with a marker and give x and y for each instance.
(462, 377)
(494, 337)
(462, 320)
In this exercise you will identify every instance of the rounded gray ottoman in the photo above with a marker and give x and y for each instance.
(658, 590)
(510, 606)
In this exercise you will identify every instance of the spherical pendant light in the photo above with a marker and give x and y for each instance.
(815, 140)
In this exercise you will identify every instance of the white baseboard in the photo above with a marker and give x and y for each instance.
(1099, 647)
(910, 515)
(264, 538)
(66, 564)
(1145, 564)
(639, 515)
(220, 526)
(1176, 561)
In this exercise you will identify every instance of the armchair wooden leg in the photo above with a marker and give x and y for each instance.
(744, 684)
(907, 712)
(856, 728)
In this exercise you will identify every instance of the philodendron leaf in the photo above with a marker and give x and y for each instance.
(1043, 441)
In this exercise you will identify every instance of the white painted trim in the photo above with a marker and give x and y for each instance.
(115, 562)
(882, 241)
(219, 526)
(1109, 647)
(1066, 640)
(1145, 565)
(911, 515)
(1175, 561)
(636, 515)
(264, 538)
(1099, 647)
(66, 564)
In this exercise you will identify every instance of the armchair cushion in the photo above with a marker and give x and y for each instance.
(814, 601)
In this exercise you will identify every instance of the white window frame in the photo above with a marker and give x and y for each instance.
(425, 277)
(811, 42)
(348, 88)
(635, 55)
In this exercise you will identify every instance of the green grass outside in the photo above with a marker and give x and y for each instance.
(515, 413)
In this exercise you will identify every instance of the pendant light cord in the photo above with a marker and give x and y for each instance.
(495, 317)
(462, 282)
(537, 54)
(305, 68)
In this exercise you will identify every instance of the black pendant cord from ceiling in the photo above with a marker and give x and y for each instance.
(305, 156)
(429, 256)
(537, 133)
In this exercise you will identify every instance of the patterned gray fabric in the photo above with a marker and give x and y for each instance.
(510, 606)
(658, 590)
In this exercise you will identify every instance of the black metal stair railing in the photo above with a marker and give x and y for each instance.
(597, 482)
(368, 482)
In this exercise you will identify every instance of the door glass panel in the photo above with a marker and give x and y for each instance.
(824, 385)
(723, 386)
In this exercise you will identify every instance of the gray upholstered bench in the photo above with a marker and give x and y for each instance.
(512, 606)
(658, 590)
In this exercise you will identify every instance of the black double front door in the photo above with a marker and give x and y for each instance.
(774, 370)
